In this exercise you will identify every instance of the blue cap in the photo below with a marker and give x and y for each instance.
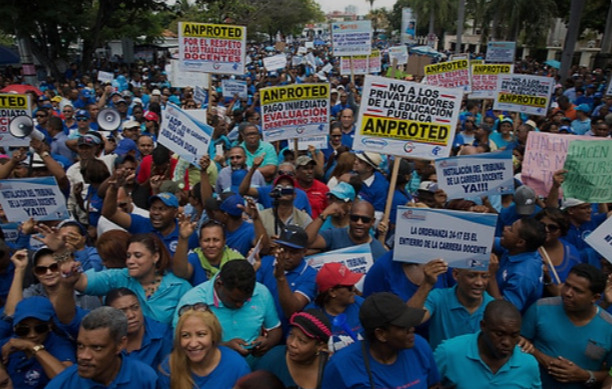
(598, 95)
(230, 205)
(567, 129)
(36, 307)
(343, 191)
(507, 120)
(125, 146)
(237, 177)
(43, 98)
(86, 93)
(82, 113)
(174, 99)
(167, 198)
(584, 108)
(89, 140)
(293, 236)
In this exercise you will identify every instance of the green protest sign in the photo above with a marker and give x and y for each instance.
(589, 166)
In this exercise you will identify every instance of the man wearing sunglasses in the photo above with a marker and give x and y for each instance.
(82, 128)
(236, 157)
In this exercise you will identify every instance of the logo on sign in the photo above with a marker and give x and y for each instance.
(409, 147)
(374, 143)
(436, 150)
(300, 130)
(409, 214)
(216, 66)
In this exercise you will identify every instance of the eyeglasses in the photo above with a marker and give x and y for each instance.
(336, 136)
(42, 270)
(200, 307)
(551, 227)
(23, 330)
(364, 219)
(82, 119)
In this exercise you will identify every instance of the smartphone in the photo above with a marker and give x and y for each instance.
(251, 345)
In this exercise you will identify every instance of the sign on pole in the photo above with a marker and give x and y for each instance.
(182, 79)
(484, 79)
(601, 239)
(295, 111)
(362, 64)
(407, 119)
(523, 93)
(105, 77)
(275, 62)
(451, 74)
(500, 52)
(212, 48)
(408, 26)
(476, 175)
(589, 171)
(357, 259)
(11, 106)
(234, 87)
(462, 239)
(351, 38)
(399, 53)
(319, 142)
(39, 198)
(184, 134)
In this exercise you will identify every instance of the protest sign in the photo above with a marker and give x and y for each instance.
(309, 45)
(295, 111)
(407, 119)
(11, 106)
(327, 68)
(201, 96)
(523, 93)
(319, 142)
(589, 171)
(10, 231)
(183, 134)
(39, 198)
(234, 87)
(275, 62)
(105, 77)
(484, 79)
(500, 52)
(400, 53)
(297, 61)
(351, 38)
(212, 48)
(302, 50)
(545, 154)
(451, 74)
(181, 79)
(601, 239)
(362, 64)
(357, 258)
(609, 89)
(476, 175)
(408, 26)
(463, 239)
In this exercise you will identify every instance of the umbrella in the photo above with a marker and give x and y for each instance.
(553, 64)
(21, 88)
(426, 50)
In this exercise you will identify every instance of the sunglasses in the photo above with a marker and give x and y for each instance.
(551, 227)
(82, 119)
(286, 173)
(356, 218)
(42, 270)
(23, 330)
(336, 136)
(200, 307)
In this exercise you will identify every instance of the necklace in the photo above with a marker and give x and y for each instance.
(152, 287)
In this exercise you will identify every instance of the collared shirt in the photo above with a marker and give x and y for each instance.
(142, 225)
(271, 158)
(376, 191)
(461, 367)
(520, 278)
(156, 343)
(203, 270)
(317, 197)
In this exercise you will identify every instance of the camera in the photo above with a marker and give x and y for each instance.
(280, 190)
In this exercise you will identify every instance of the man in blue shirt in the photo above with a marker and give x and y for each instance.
(375, 186)
(347, 120)
(490, 358)
(102, 336)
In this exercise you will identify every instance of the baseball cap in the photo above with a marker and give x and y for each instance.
(584, 108)
(130, 124)
(119, 101)
(230, 205)
(156, 92)
(88, 140)
(293, 236)
(571, 202)
(525, 200)
(36, 307)
(372, 159)
(44, 250)
(57, 99)
(284, 177)
(125, 146)
(334, 274)
(567, 129)
(343, 191)
(334, 90)
(507, 120)
(304, 160)
(82, 113)
(428, 186)
(151, 116)
(167, 198)
(382, 309)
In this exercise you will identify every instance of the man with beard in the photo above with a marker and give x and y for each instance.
(231, 176)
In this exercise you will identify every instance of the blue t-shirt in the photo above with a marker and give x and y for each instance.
(339, 238)
(575, 235)
(156, 343)
(242, 238)
(340, 338)
(376, 193)
(414, 368)
(275, 362)
(520, 278)
(142, 225)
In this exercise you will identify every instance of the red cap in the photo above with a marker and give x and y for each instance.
(151, 116)
(334, 274)
(284, 176)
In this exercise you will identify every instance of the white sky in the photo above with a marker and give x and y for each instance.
(362, 5)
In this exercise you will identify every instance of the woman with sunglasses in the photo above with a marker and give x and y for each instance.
(35, 354)
(300, 363)
(561, 254)
(198, 360)
(147, 274)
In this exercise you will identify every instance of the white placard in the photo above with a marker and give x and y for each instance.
(105, 77)
(319, 143)
(12, 106)
(357, 259)
(183, 134)
(352, 38)
(39, 198)
(601, 239)
(275, 62)
(234, 87)
(400, 53)
(523, 93)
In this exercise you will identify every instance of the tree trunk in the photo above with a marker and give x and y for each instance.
(570, 39)
(432, 19)
(606, 43)
(460, 21)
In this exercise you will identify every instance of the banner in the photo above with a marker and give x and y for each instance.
(400, 53)
(484, 79)
(451, 74)
(11, 106)
(319, 142)
(212, 48)
(295, 111)
(39, 198)
(182, 79)
(234, 87)
(462, 239)
(351, 38)
(357, 258)
(476, 175)
(545, 154)
(522, 93)
(184, 134)
(275, 62)
(407, 119)
(500, 52)
(408, 26)
(362, 64)
(105, 77)
(589, 171)
(601, 239)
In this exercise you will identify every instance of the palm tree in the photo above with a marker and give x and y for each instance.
(371, 4)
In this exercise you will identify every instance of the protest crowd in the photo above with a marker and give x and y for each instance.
(163, 235)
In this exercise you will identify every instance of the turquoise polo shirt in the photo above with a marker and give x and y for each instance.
(461, 367)
(271, 157)
(160, 306)
(449, 318)
(245, 322)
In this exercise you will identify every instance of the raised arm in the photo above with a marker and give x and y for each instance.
(180, 264)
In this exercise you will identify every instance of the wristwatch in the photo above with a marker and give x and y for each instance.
(322, 217)
(592, 380)
(37, 348)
